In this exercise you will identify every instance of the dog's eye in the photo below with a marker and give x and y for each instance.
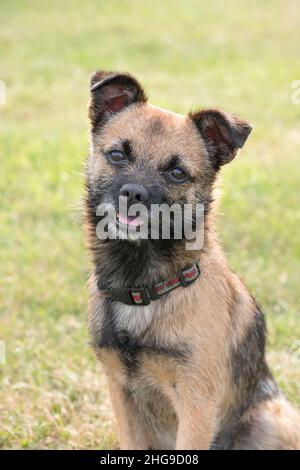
(178, 175)
(116, 157)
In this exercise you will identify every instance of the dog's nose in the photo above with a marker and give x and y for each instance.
(135, 194)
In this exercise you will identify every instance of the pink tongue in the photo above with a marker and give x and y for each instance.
(135, 221)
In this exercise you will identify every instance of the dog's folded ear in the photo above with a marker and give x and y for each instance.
(222, 133)
(112, 92)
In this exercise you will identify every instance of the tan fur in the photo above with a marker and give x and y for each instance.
(276, 425)
(210, 318)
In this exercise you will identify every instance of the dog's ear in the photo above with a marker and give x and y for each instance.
(112, 92)
(222, 133)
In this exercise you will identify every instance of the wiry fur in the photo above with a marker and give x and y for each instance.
(187, 371)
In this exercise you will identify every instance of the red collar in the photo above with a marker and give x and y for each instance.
(144, 295)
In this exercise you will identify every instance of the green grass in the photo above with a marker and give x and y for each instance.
(187, 54)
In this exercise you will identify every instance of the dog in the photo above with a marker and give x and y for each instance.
(181, 339)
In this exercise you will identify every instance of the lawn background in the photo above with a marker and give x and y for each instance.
(241, 56)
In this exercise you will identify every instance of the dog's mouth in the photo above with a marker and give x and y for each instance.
(130, 221)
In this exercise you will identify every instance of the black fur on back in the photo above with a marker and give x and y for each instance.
(252, 382)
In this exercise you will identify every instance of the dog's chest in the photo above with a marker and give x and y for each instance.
(125, 330)
(124, 327)
(133, 320)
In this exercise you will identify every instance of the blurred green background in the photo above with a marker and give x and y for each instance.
(240, 56)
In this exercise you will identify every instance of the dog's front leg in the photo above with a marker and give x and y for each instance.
(132, 432)
(196, 419)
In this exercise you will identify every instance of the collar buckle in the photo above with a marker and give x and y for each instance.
(189, 274)
(140, 296)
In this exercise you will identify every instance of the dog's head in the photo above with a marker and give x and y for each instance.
(153, 156)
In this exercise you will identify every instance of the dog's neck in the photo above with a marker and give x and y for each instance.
(124, 264)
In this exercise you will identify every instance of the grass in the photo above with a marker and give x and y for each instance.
(187, 54)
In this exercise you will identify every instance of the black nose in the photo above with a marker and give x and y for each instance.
(135, 194)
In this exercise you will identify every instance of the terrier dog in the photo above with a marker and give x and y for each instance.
(181, 339)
